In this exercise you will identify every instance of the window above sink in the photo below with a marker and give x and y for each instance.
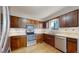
(54, 24)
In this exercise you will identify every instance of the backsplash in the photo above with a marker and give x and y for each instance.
(22, 31)
(39, 31)
(71, 29)
(17, 31)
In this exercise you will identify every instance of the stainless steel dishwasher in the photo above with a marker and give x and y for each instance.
(60, 43)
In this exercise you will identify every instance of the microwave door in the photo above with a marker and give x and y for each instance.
(4, 29)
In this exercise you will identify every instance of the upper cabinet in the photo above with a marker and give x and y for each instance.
(36, 23)
(14, 21)
(44, 24)
(18, 22)
(72, 19)
(78, 17)
(69, 19)
(40, 25)
(62, 21)
(47, 24)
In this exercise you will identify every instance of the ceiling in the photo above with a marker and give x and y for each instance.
(37, 12)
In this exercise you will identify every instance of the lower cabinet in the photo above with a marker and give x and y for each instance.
(71, 45)
(18, 42)
(39, 38)
(21, 41)
(50, 39)
(66, 44)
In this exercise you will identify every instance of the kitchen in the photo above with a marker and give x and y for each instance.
(58, 29)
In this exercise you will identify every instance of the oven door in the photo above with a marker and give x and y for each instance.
(31, 37)
(4, 29)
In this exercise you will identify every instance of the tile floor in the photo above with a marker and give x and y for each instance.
(38, 48)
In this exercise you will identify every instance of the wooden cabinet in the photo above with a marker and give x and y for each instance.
(32, 21)
(14, 21)
(23, 41)
(40, 25)
(44, 24)
(69, 19)
(47, 24)
(50, 39)
(18, 42)
(36, 23)
(78, 17)
(62, 21)
(39, 38)
(72, 20)
(71, 45)
(46, 38)
(18, 22)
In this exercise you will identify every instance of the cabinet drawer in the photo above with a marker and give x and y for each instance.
(72, 40)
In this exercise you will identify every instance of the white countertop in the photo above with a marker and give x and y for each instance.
(71, 35)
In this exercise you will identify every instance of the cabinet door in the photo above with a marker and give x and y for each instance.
(47, 24)
(49, 39)
(78, 17)
(71, 19)
(71, 45)
(14, 42)
(40, 24)
(52, 40)
(62, 21)
(18, 42)
(44, 24)
(39, 38)
(23, 41)
(45, 38)
(14, 21)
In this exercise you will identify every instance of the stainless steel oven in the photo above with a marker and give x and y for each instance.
(30, 35)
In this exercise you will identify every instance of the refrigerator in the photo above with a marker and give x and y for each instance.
(4, 29)
(30, 35)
